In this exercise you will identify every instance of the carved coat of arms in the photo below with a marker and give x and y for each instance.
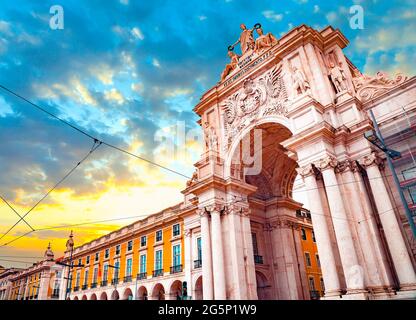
(266, 95)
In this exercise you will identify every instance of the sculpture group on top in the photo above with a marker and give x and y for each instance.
(248, 43)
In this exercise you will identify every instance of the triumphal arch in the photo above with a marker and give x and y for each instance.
(291, 108)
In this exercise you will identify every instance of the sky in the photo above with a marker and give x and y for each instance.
(130, 72)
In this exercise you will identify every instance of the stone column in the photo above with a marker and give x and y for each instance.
(391, 227)
(207, 289)
(353, 272)
(217, 255)
(235, 232)
(188, 260)
(323, 239)
(249, 255)
(346, 169)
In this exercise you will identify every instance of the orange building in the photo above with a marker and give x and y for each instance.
(311, 256)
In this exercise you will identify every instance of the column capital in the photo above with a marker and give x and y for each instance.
(187, 233)
(202, 212)
(372, 159)
(308, 170)
(328, 162)
(345, 165)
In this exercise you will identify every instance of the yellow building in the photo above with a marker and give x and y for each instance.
(138, 255)
(311, 256)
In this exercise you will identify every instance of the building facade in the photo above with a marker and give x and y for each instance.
(41, 281)
(283, 131)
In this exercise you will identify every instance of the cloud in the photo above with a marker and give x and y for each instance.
(272, 16)
(114, 95)
(137, 33)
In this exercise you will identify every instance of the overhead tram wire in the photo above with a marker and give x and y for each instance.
(93, 148)
(126, 152)
(88, 135)
(14, 210)
(144, 215)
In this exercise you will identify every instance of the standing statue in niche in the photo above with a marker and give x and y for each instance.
(211, 140)
(338, 77)
(264, 41)
(300, 84)
(231, 66)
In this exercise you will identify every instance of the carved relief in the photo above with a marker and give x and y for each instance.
(338, 77)
(308, 170)
(193, 179)
(264, 96)
(371, 87)
(345, 165)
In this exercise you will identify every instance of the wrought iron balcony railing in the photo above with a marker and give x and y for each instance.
(157, 273)
(114, 281)
(93, 285)
(84, 287)
(127, 279)
(197, 264)
(176, 269)
(142, 275)
(76, 289)
(104, 283)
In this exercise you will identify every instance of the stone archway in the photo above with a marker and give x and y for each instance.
(158, 292)
(127, 294)
(75, 298)
(115, 295)
(103, 296)
(84, 297)
(263, 287)
(175, 291)
(198, 289)
(142, 293)
(93, 297)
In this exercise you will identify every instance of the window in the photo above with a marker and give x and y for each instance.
(77, 279)
(117, 249)
(318, 262)
(105, 272)
(408, 174)
(130, 245)
(176, 255)
(79, 262)
(116, 269)
(143, 241)
(97, 256)
(158, 260)
(303, 233)
(321, 281)
(311, 284)
(95, 275)
(86, 277)
(255, 247)
(128, 267)
(142, 263)
(199, 247)
(107, 253)
(87, 260)
(176, 230)
(158, 235)
(313, 236)
(308, 259)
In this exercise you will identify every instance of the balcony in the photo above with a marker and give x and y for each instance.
(142, 275)
(157, 273)
(76, 289)
(93, 285)
(104, 283)
(197, 263)
(176, 269)
(36, 296)
(114, 281)
(315, 294)
(258, 259)
(84, 287)
(55, 295)
(127, 279)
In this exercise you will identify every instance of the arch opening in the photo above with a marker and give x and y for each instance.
(158, 292)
